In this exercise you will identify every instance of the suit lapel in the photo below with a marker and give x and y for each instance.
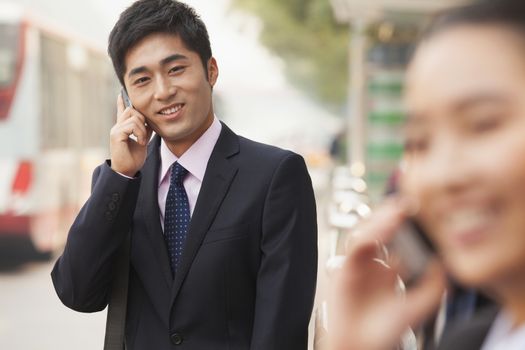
(469, 335)
(150, 209)
(219, 174)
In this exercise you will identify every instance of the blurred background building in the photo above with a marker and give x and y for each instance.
(321, 77)
(383, 34)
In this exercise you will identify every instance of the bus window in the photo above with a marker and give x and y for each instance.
(9, 49)
(8, 53)
(55, 92)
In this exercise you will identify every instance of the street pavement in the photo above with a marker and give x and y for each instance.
(33, 318)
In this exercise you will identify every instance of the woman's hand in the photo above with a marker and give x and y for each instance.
(367, 311)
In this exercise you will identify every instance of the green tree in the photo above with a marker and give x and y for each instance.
(313, 46)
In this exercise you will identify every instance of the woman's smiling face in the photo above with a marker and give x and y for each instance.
(465, 150)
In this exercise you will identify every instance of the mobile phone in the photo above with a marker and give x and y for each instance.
(125, 98)
(414, 250)
(127, 103)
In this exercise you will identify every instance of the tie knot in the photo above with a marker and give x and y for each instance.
(178, 172)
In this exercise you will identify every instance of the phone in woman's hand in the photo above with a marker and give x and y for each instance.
(413, 249)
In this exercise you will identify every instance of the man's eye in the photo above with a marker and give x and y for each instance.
(177, 69)
(140, 80)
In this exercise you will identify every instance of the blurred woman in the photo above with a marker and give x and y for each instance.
(464, 169)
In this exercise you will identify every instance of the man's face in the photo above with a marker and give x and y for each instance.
(168, 84)
(465, 151)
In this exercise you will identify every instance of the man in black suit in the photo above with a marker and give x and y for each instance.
(223, 229)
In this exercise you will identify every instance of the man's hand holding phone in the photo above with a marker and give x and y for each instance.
(128, 155)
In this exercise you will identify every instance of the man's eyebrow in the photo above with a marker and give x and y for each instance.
(171, 58)
(163, 62)
(137, 70)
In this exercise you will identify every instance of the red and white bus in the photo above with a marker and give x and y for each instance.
(57, 104)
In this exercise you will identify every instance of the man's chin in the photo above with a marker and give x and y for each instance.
(178, 137)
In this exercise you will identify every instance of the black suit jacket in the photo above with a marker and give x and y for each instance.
(469, 335)
(248, 271)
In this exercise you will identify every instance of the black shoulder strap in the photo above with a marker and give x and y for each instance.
(116, 319)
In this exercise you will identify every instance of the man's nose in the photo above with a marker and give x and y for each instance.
(164, 89)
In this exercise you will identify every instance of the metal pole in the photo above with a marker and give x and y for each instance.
(357, 90)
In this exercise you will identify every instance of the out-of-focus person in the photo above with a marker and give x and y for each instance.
(464, 182)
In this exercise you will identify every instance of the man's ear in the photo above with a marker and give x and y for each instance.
(213, 71)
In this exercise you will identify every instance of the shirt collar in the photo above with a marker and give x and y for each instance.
(196, 158)
(504, 334)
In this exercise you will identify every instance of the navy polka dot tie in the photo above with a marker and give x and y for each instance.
(176, 216)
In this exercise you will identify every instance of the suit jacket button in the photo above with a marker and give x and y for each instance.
(176, 338)
(115, 197)
(112, 206)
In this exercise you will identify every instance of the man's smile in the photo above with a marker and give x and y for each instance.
(172, 111)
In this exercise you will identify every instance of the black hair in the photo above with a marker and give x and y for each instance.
(145, 17)
(505, 13)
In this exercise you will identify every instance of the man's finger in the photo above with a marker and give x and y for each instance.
(140, 131)
(139, 116)
(129, 113)
(120, 106)
(134, 126)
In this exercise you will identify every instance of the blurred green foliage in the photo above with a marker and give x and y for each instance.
(314, 47)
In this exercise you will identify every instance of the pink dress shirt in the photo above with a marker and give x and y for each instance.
(195, 160)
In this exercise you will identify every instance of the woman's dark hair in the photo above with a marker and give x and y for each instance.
(146, 17)
(506, 13)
